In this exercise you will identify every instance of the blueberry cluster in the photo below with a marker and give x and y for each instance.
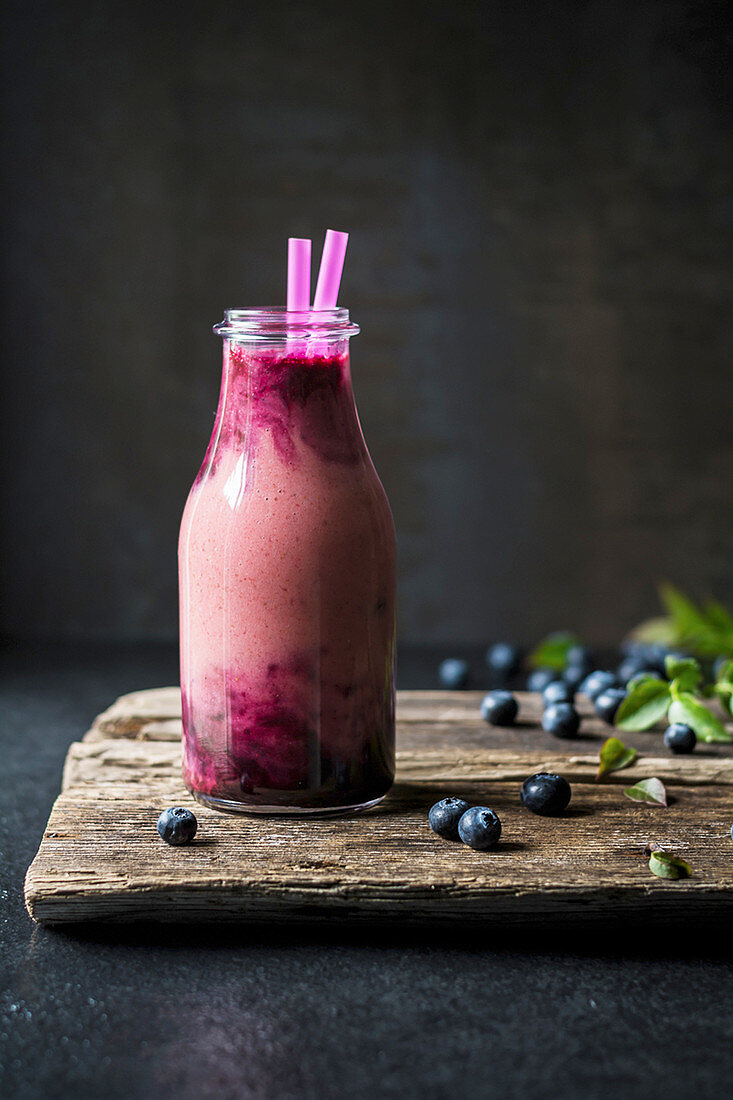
(455, 819)
(479, 827)
(605, 688)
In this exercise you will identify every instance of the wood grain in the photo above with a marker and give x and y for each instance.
(101, 858)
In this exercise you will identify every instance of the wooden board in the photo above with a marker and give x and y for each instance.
(101, 858)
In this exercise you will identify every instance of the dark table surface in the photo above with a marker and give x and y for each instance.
(331, 1012)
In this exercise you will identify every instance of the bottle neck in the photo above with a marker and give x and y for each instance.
(297, 394)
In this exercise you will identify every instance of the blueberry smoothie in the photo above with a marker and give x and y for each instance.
(287, 582)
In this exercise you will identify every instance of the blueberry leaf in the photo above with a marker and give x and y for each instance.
(553, 651)
(687, 618)
(707, 631)
(725, 672)
(613, 756)
(688, 710)
(645, 704)
(686, 671)
(648, 790)
(719, 616)
(724, 690)
(664, 865)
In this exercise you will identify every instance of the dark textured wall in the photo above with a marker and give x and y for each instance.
(539, 197)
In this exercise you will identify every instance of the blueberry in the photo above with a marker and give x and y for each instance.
(579, 655)
(177, 826)
(480, 828)
(499, 708)
(504, 659)
(574, 675)
(453, 673)
(561, 719)
(647, 657)
(545, 794)
(540, 678)
(680, 738)
(629, 668)
(607, 703)
(444, 816)
(557, 692)
(597, 682)
(642, 673)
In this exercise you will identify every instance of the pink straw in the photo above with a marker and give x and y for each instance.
(299, 273)
(329, 275)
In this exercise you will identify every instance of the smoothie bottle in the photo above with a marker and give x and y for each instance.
(287, 581)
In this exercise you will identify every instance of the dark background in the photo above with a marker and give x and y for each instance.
(540, 211)
(540, 207)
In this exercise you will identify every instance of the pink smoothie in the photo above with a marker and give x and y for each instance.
(287, 584)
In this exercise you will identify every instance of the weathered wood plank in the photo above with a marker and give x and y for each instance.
(118, 761)
(101, 857)
(425, 720)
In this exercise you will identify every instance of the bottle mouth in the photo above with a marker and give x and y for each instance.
(274, 324)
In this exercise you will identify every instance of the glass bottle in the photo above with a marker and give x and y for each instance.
(287, 581)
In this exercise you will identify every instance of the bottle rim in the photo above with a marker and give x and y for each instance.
(273, 323)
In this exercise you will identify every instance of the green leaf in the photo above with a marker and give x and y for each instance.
(648, 790)
(553, 651)
(686, 617)
(685, 670)
(688, 710)
(664, 865)
(724, 692)
(709, 633)
(725, 672)
(719, 616)
(644, 705)
(613, 756)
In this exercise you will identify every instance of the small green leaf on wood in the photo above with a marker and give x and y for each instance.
(553, 651)
(645, 704)
(685, 671)
(664, 865)
(614, 756)
(686, 709)
(648, 790)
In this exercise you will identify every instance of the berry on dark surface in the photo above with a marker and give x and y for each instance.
(453, 673)
(561, 720)
(680, 738)
(540, 678)
(558, 691)
(631, 667)
(641, 673)
(444, 816)
(499, 708)
(545, 794)
(596, 682)
(607, 703)
(480, 828)
(504, 659)
(177, 826)
(579, 655)
(574, 675)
